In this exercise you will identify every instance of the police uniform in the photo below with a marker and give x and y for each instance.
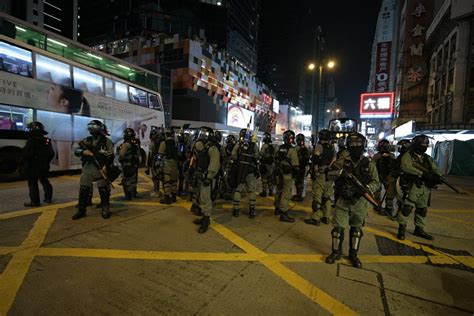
(245, 155)
(102, 149)
(155, 163)
(129, 158)
(34, 163)
(300, 176)
(287, 162)
(322, 189)
(420, 185)
(267, 166)
(169, 151)
(226, 158)
(351, 206)
(384, 161)
(207, 167)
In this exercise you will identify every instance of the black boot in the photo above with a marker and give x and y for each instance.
(285, 217)
(205, 223)
(325, 220)
(252, 213)
(263, 193)
(82, 203)
(354, 244)
(312, 221)
(236, 212)
(128, 194)
(166, 200)
(277, 211)
(337, 234)
(89, 196)
(401, 231)
(173, 198)
(105, 202)
(196, 210)
(420, 232)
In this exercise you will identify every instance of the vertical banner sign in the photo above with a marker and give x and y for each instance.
(382, 67)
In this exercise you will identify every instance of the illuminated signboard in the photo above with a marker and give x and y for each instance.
(267, 99)
(376, 105)
(239, 117)
(276, 106)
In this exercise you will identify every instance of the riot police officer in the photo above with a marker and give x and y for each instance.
(245, 157)
(226, 158)
(286, 165)
(300, 176)
(400, 183)
(384, 161)
(267, 165)
(34, 163)
(169, 151)
(182, 156)
(324, 155)
(422, 174)
(96, 152)
(207, 167)
(351, 206)
(154, 160)
(129, 158)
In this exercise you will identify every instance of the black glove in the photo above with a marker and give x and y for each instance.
(147, 171)
(431, 179)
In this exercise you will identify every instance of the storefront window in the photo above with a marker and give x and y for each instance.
(15, 60)
(53, 71)
(88, 81)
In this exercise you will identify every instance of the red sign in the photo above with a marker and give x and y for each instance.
(382, 67)
(267, 99)
(376, 105)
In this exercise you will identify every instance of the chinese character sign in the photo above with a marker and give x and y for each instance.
(376, 105)
(382, 71)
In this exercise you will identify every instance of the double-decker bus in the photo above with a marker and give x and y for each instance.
(63, 84)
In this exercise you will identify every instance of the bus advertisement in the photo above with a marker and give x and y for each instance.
(40, 84)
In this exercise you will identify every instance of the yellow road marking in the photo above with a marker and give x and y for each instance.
(453, 219)
(302, 285)
(144, 255)
(15, 272)
(435, 210)
(7, 250)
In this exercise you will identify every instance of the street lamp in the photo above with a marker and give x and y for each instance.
(311, 66)
(331, 64)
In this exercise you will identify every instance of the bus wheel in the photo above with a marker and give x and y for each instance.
(9, 163)
(142, 158)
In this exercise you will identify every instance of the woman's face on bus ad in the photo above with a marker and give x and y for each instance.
(56, 99)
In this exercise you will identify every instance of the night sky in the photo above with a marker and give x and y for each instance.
(348, 26)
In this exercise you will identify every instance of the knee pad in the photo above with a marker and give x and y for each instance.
(337, 232)
(422, 211)
(406, 210)
(356, 232)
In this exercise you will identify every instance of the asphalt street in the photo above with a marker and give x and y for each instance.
(149, 259)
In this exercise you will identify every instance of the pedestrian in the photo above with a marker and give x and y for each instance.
(245, 157)
(267, 165)
(351, 206)
(169, 151)
(324, 155)
(286, 165)
(34, 163)
(129, 158)
(420, 184)
(300, 176)
(207, 166)
(96, 152)
(384, 161)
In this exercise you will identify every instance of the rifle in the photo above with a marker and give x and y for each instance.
(96, 162)
(441, 179)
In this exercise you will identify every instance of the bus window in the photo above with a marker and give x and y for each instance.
(109, 88)
(87, 81)
(53, 71)
(154, 102)
(15, 60)
(137, 96)
(14, 118)
(121, 92)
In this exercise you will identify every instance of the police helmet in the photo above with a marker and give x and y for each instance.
(267, 138)
(129, 134)
(356, 143)
(230, 139)
(217, 137)
(420, 144)
(289, 137)
(300, 139)
(97, 127)
(403, 146)
(383, 146)
(36, 128)
(205, 133)
(243, 133)
(324, 134)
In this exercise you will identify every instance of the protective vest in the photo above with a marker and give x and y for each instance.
(283, 160)
(303, 157)
(268, 154)
(171, 151)
(246, 159)
(384, 165)
(132, 156)
(44, 152)
(327, 156)
(360, 171)
(228, 149)
(100, 145)
(203, 159)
